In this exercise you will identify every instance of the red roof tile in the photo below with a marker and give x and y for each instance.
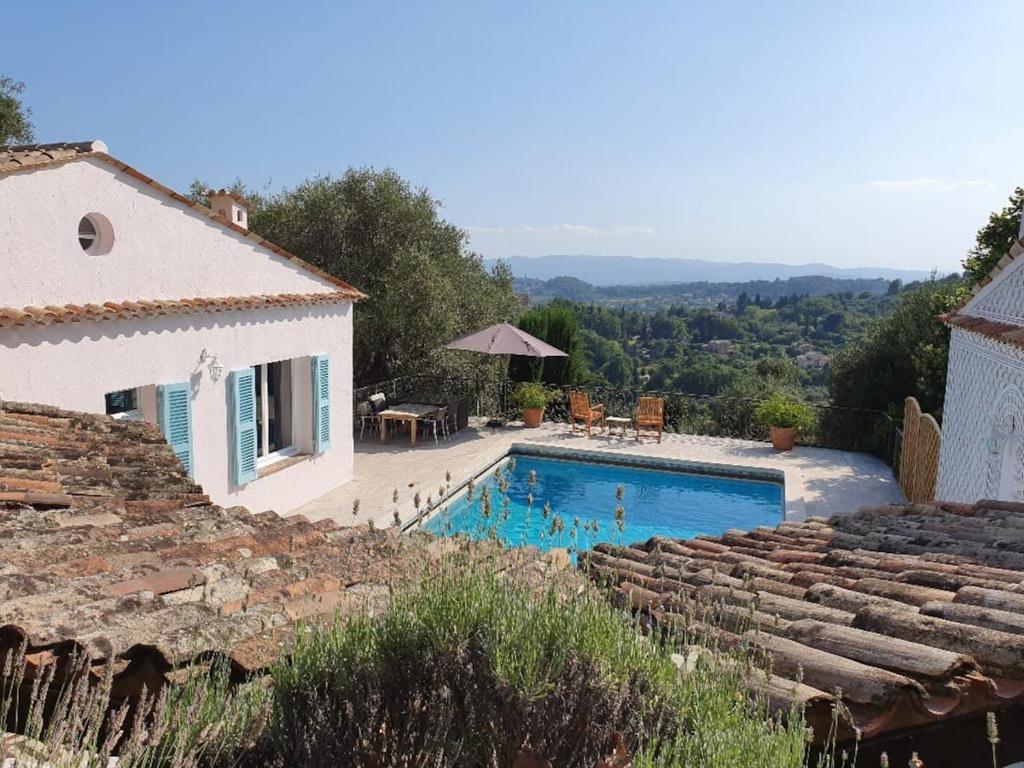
(124, 556)
(915, 612)
(1011, 334)
(111, 310)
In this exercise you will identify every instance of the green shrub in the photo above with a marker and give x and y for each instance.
(71, 719)
(531, 396)
(470, 669)
(780, 411)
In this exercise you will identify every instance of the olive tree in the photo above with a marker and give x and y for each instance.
(387, 238)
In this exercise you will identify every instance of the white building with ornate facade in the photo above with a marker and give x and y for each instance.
(982, 455)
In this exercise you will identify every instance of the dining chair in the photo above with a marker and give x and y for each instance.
(435, 419)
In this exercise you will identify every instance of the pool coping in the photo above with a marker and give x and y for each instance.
(793, 505)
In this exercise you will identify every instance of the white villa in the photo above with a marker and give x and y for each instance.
(121, 296)
(982, 454)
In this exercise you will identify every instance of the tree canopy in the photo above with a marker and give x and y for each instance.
(902, 354)
(558, 326)
(993, 240)
(15, 117)
(387, 238)
(906, 353)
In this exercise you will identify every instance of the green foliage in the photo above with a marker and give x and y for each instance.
(777, 370)
(15, 117)
(901, 354)
(386, 237)
(650, 298)
(781, 344)
(76, 720)
(780, 411)
(558, 326)
(993, 240)
(531, 395)
(470, 668)
(618, 370)
(707, 325)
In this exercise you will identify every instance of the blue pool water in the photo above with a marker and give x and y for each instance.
(656, 502)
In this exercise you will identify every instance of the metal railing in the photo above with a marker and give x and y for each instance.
(847, 429)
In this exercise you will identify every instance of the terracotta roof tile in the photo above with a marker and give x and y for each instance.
(915, 612)
(27, 156)
(114, 310)
(1011, 334)
(123, 555)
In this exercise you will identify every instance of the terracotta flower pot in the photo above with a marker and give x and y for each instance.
(532, 417)
(783, 438)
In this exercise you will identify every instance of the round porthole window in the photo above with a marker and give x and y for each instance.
(95, 234)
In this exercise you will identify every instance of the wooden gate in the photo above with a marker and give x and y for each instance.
(919, 457)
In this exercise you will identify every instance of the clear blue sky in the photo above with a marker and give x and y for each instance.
(859, 133)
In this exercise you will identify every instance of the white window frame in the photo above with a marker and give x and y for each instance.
(135, 414)
(267, 459)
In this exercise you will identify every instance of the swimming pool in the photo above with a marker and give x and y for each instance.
(580, 493)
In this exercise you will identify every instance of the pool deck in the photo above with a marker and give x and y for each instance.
(818, 481)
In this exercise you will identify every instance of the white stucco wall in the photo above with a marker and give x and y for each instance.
(162, 249)
(74, 365)
(984, 389)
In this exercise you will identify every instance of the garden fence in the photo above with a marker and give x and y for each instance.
(919, 453)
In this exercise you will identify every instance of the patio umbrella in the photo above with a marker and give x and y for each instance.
(504, 339)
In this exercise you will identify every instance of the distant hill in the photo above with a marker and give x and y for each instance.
(625, 270)
(694, 294)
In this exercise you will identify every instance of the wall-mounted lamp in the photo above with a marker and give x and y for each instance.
(215, 366)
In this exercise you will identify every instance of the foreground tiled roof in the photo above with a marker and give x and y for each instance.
(110, 549)
(122, 310)
(915, 612)
(31, 157)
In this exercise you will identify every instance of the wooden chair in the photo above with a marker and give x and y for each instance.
(580, 409)
(650, 414)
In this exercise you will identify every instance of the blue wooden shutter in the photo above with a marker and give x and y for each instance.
(321, 403)
(174, 412)
(243, 419)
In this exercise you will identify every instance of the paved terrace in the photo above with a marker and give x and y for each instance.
(819, 481)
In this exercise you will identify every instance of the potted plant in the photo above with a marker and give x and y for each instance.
(532, 399)
(785, 417)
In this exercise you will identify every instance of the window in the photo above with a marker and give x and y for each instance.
(95, 234)
(274, 412)
(87, 234)
(123, 404)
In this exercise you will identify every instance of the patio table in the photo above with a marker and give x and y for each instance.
(407, 412)
(621, 422)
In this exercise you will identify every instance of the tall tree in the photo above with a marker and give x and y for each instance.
(902, 354)
(15, 122)
(558, 326)
(993, 240)
(386, 237)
